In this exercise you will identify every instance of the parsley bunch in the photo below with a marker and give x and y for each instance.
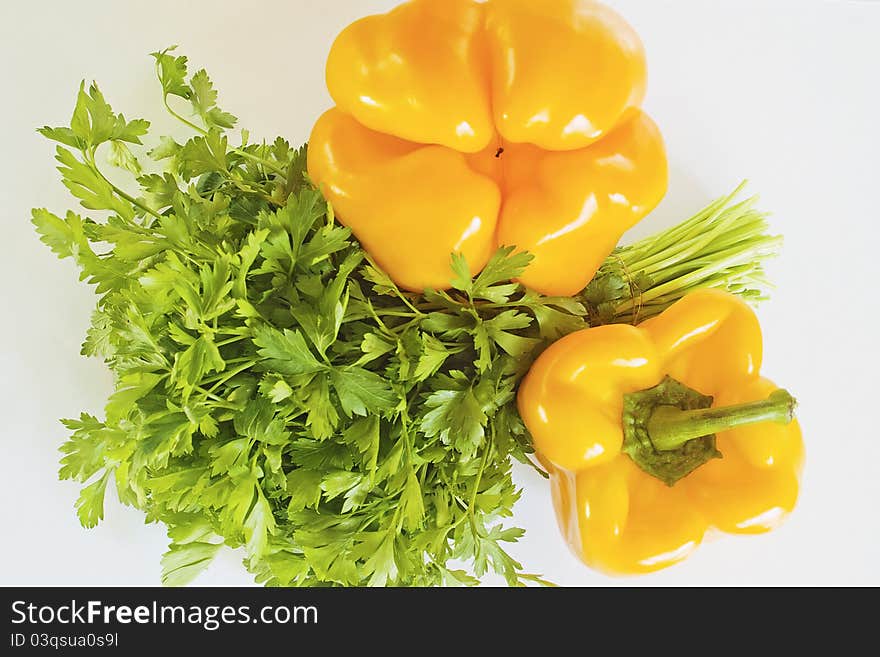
(276, 391)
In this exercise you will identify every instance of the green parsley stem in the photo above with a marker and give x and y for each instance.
(211, 395)
(395, 313)
(400, 295)
(232, 341)
(676, 238)
(483, 462)
(238, 151)
(697, 278)
(723, 246)
(238, 370)
(247, 189)
(90, 160)
(670, 427)
(259, 160)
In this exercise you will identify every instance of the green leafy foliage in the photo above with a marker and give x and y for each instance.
(724, 246)
(275, 390)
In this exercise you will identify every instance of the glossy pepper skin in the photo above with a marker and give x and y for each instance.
(615, 516)
(462, 126)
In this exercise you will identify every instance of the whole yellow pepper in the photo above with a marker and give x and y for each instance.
(630, 422)
(461, 126)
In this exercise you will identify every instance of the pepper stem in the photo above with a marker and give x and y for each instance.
(670, 427)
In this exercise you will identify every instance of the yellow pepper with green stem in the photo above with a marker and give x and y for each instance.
(461, 126)
(654, 434)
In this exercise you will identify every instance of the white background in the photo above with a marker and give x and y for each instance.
(784, 93)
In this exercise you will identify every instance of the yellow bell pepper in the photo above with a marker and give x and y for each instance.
(461, 126)
(630, 422)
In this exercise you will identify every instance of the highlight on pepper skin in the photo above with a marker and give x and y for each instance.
(616, 511)
(463, 126)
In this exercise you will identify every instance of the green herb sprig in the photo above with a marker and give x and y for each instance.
(276, 392)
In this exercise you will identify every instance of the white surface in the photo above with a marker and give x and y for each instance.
(784, 93)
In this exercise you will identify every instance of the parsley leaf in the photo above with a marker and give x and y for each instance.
(285, 352)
